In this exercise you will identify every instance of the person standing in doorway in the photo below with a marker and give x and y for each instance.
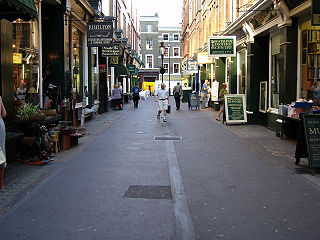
(3, 114)
(223, 92)
(177, 93)
(135, 95)
(162, 96)
(204, 93)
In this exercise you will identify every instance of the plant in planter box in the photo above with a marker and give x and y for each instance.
(30, 112)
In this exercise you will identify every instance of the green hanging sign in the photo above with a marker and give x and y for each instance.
(222, 46)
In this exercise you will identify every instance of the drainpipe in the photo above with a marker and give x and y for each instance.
(40, 53)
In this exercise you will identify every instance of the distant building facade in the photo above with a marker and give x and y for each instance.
(151, 37)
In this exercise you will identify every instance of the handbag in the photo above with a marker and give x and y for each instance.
(2, 157)
(169, 109)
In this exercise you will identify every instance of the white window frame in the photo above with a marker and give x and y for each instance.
(176, 35)
(179, 52)
(166, 68)
(147, 27)
(148, 45)
(163, 37)
(178, 68)
(149, 55)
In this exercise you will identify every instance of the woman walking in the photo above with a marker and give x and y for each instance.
(116, 96)
(3, 114)
(223, 92)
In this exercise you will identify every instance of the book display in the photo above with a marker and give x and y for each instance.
(310, 61)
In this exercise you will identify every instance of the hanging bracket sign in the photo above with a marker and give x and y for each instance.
(235, 107)
(100, 34)
(111, 51)
(315, 13)
(222, 46)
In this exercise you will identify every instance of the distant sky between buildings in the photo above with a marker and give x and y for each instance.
(170, 11)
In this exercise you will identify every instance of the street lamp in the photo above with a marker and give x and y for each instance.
(162, 50)
(169, 45)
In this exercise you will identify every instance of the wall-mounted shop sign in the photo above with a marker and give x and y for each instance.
(202, 58)
(132, 69)
(17, 58)
(315, 13)
(235, 107)
(111, 51)
(100, 34)
(222, 46)
(191, 67)
(114, 60)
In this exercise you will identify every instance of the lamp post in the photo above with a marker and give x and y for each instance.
(162, 50)
(169, 45)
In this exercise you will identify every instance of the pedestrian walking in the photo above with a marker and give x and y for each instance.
(3, 114)
(121, 90)
(162, 96)
(223, 92)
(135, 95)
(204, 94)
(116, 96)
(177, 93)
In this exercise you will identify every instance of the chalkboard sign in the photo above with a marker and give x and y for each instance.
(312, 134)
(235, 107)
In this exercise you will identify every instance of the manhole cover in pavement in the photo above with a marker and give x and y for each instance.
(170, 138)
(133, 148)
(149, 192)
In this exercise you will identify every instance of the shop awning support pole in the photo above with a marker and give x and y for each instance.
(40, 54)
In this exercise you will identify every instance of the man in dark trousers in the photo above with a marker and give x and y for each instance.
(135, 95)
(178, 94)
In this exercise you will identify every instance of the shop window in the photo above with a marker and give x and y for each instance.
(77, 63)
(275, 71)
(25, 62)
(242, 71)
(310, 63)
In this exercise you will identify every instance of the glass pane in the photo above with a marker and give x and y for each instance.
(275, 80)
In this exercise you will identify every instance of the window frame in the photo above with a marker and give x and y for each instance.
(178, 68)
(152, 60)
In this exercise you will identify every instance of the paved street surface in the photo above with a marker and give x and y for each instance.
(126, 182)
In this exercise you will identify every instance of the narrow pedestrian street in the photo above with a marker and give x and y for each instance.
(134, 177)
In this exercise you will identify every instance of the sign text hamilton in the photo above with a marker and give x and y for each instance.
(100, 34)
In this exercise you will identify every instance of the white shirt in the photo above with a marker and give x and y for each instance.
(162, 93)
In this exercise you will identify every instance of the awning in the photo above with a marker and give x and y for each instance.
(14, 9)
(121, 70)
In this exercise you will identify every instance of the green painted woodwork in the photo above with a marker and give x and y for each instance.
(6, 70)
(288, 63)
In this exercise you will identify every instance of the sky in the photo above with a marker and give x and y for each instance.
(169, 11)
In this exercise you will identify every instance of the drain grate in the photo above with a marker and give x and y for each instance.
(148, 192)
(170, 138)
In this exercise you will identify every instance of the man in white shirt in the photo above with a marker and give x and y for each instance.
(162, 96)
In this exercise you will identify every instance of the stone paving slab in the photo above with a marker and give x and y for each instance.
(21, 178)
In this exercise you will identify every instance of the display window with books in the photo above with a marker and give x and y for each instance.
(310, 62)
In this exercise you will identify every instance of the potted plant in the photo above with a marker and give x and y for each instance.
(30, 112)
